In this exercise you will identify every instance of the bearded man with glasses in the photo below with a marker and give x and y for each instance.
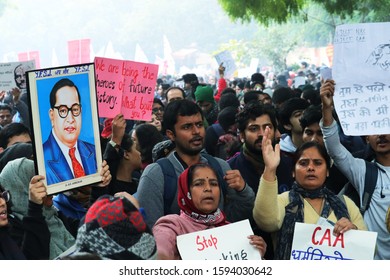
(67, 157)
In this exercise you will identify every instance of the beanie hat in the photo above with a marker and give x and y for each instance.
(162, 149)
(114, 228)
(204, 93)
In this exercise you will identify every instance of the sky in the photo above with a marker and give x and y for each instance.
(121, 26)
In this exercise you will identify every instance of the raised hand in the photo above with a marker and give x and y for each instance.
(327, 93)
(271, 155)
(118, 128)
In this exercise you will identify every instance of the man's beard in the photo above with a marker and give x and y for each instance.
(257, 151)
(252, 149)
(188, 151)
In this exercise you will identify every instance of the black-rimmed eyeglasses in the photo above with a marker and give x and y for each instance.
(63, 110)
(6, 195)
(157, 109)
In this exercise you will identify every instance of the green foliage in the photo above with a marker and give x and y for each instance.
(277, 42)
(285, 24)
(264, 11)
(281, 11)
(361, 11)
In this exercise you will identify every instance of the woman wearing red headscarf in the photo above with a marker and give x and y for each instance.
(198, 198)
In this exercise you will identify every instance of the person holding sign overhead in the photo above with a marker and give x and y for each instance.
(307, 201)
(67, 157)
(355, 169)
(198, 197)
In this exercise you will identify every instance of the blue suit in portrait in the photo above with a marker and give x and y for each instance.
(57, 168)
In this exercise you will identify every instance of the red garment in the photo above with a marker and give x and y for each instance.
(217, 218)
(107, 130)
(222, 84)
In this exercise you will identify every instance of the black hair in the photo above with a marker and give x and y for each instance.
(4, 106)
(241, 85)
(257, 78)
(251, 95)
(227, 100)
(178, 108)
(227, 117)
(11, 130)
(307, 145)
(228, 90)
(253, 110)
(194, 167)
(158, 101)
(312, 96)
(289, 106)
(127, 142)
(281, 94)
(165, 86)
(58, 85)
(310, 115)
(148, 136)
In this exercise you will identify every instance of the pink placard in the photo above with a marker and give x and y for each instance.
(23, 56)
(34, 55)
(126, 87)
(85, 50)
(74, 52)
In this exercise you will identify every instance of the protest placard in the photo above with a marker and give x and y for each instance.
(317, 242)
(13, 74)
(226, 58)
(299, 81)
(361, 70)
(227, 242)
(126, 87)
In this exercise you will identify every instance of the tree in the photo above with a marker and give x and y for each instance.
(281, 11)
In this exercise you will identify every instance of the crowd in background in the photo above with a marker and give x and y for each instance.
(216, 151)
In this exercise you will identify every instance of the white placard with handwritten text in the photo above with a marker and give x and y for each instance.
(228, 242)
(361, 69)
(317, 242)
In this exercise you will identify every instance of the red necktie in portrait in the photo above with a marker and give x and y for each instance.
(77, 168)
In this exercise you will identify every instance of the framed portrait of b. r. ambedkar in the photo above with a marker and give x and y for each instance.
(65, 130)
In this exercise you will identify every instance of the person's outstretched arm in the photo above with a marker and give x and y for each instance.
(327, 93)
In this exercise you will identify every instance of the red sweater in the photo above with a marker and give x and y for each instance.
(222, 84)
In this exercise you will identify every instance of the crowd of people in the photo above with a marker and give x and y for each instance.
(213, 153)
